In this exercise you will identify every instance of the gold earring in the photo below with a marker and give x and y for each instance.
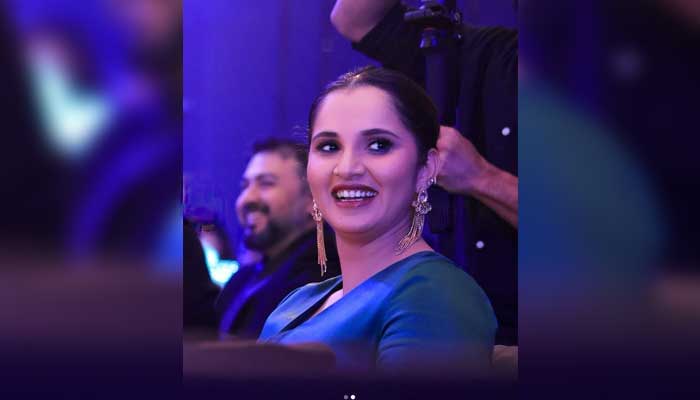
(318, 217)
(421, 207)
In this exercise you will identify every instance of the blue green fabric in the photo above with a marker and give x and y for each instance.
(421, 313)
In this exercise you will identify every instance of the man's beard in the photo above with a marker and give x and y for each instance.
(266, 238)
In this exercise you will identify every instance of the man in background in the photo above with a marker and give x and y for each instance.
(274, 210)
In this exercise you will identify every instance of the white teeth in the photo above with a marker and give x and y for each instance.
(354, 194)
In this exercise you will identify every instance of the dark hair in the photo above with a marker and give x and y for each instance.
(413, 105)
(286, 148)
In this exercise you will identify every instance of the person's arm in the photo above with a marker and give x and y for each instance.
(464, 171)
(355, 18)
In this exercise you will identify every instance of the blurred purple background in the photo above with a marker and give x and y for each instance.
(91, 230)
(608, 257)
(103, 83)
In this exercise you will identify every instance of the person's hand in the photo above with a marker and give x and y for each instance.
(460, 165)
(462, 170)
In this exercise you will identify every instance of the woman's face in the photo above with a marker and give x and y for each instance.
(363, 163)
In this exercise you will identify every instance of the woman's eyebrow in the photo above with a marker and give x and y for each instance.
(324, 134)
(378, 131)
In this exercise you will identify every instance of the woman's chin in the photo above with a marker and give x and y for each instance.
(354, 228)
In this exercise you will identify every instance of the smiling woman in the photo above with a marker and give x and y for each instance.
(357, 165)
(398, 307)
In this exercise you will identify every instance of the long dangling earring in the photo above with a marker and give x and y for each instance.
(318, 217)
(421, 208)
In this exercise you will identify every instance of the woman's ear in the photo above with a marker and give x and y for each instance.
(428, 171)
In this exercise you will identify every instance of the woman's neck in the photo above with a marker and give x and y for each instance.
(360, 259)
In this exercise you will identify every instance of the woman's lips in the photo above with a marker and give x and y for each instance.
(353, 203)
(352, 195)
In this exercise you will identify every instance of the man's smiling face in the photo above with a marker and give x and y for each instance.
(274, 200)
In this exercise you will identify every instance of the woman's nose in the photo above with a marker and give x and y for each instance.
(349, 165)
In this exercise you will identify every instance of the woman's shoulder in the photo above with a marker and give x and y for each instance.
(436, 315)
(433, 266)
(434, 278)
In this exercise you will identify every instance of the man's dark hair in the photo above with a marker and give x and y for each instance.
(286, 148)
(413, 105)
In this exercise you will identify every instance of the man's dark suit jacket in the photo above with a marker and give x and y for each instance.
(255, 290)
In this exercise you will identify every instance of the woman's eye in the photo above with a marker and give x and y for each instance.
(327, 147)
(380, 145)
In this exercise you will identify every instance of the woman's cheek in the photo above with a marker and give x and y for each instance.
(314, 174)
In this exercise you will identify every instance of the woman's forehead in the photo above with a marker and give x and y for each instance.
(357, 96)
(358, 108)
